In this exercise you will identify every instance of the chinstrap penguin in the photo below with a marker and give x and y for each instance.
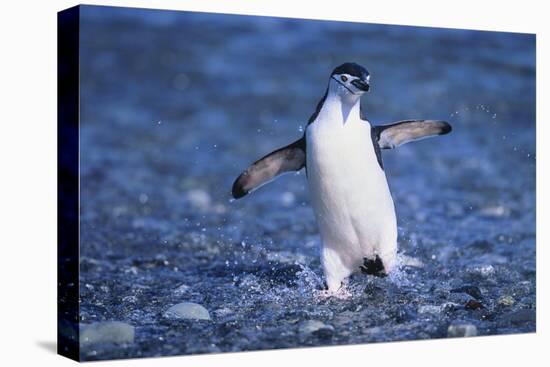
(350, 196)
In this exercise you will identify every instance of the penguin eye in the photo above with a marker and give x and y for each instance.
(344, 78)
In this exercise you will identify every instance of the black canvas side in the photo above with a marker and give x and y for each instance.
(67, 182)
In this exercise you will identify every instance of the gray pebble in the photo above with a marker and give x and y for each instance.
(314, 326)
(462, 330)
(107, 332)
(187, 310)
(506, 301)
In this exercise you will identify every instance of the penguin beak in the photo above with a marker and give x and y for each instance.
(361, 85)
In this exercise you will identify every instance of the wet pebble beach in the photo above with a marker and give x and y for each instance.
(175, 105)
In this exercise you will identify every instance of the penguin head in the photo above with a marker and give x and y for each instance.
(349, 79)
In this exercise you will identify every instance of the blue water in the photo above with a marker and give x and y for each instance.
(175, 105)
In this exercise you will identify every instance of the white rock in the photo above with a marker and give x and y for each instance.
(431, 309)
(506, 301)
(107, 332)
(484, 270)
(463, 330)
(187, 310)
(311, 326)
(487, 270)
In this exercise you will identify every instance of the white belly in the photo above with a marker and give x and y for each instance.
(351, 198)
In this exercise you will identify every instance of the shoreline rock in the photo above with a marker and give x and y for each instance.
(187, 310)
(116, 332)
(461, 331)
(316, 327)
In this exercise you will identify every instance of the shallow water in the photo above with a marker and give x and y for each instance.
(175, 105)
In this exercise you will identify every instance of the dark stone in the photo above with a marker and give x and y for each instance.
(324, 333)
(472, 290)
(473, 305)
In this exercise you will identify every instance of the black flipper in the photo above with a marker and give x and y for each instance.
(289, 158)
(399, 133)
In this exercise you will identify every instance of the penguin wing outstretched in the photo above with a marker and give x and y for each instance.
(401, 132)
(289, 158)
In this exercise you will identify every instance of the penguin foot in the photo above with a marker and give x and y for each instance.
(373, 267)
(325, 286)
(340, 293)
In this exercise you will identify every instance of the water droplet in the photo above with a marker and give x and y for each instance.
(143, 198)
